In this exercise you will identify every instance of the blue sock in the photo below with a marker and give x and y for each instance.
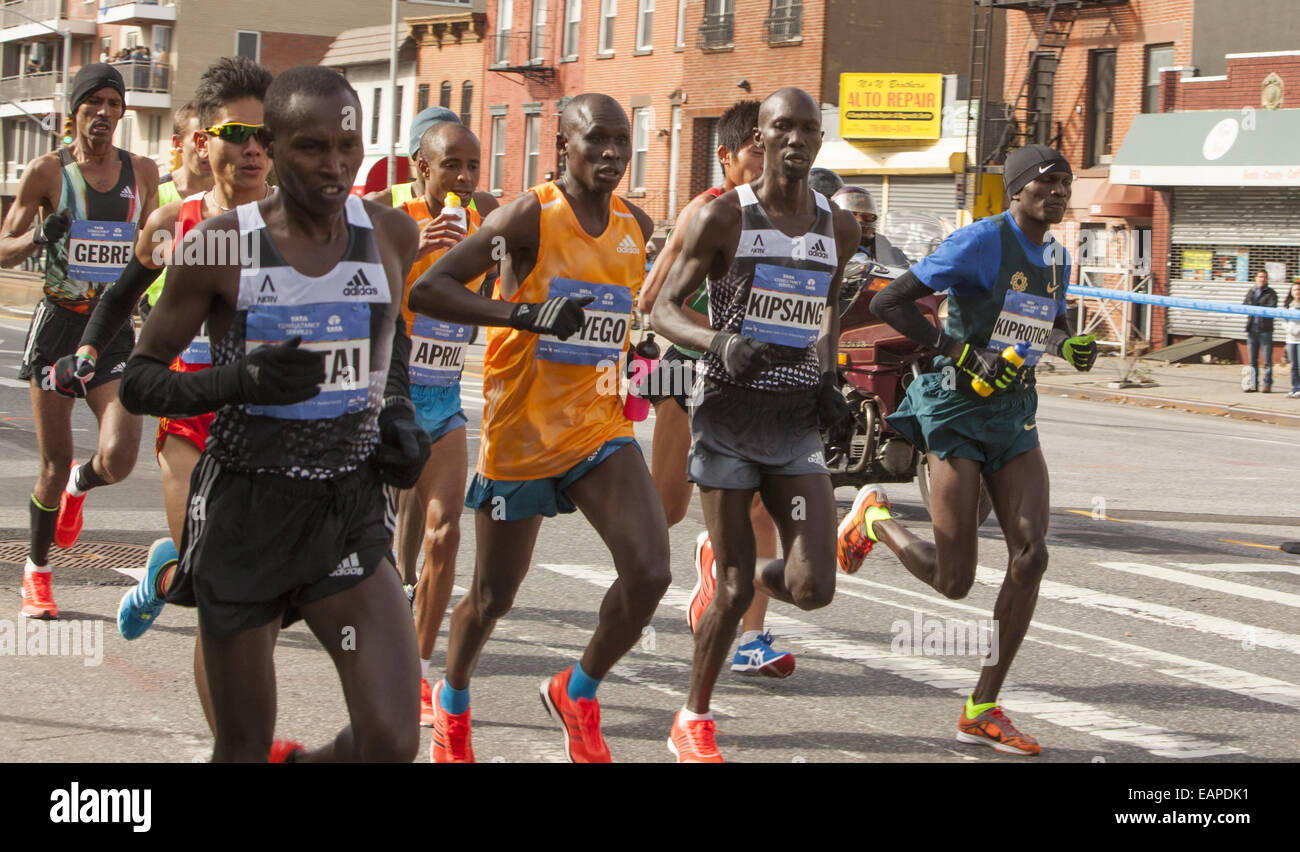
(454, 701)
(581, 685)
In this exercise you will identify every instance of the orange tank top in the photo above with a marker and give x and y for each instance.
(551, 403)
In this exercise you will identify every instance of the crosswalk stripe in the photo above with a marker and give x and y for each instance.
(1212, 584)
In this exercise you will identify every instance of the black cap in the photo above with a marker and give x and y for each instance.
(93, 77)
(1030, 162)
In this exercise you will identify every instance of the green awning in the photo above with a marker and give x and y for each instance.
(1252, 147)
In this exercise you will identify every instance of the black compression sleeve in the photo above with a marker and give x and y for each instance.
(115, 306)
(1059, 334)
(895, 305)
(399, 377)
(150, 387)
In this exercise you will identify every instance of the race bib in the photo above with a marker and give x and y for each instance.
(99, 251)
(1024, 317)
(340, 330)
(604, 328)
(198, 353)
(786, 305)
(437, 351)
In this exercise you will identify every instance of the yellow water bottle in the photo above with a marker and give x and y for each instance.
(451, 204)
(1013, 355)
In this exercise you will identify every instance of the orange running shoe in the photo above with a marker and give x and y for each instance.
(38, 599)
(427, 715)
(67, 527)
(283, 750)
(855, 541)
(705, 582)
(580, 720)
(992, 727)
(451, 735)
(694, 741)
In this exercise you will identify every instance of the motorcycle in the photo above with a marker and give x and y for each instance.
(876, 364)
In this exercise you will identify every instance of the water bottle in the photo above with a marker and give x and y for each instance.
(645, 360)
(1013, 355)
(451, 204)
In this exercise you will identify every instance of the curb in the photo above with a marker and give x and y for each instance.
(1148, 401)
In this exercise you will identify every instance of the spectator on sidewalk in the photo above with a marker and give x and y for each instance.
(1293, 340)
(1259, 333)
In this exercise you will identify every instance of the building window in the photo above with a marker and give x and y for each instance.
(1101, 106)
(537, 37)
(645, 25)
(444, 94)
(422, 97)
(126, 128)
(86, 48)
(498, 153)
(785, 21)
(377, 102)
(640, 146)
(466, 102)
(719, 23)
(106, 48)
(681, 23)
(1158, 56)
(162, 39)
(505, 17)
(572, 25)
(248, 44)
(608, 12)
(155, 132)
(397, 116)
(532, 126)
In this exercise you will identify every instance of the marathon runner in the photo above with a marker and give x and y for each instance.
(448, 164)
(399, 194)
(742, 162)
(1006, 278)
(773, 252)
(551, 440)
(287, 517)
(93, 196)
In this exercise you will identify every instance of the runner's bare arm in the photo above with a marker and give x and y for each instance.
(381, 196)
(403, 236)
(39, 182)
(654, 281)
(704, 250)
(485, 203)
(846, 242)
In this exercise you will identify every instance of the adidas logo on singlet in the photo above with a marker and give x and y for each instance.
(818, 250)
(126, 192)
(359, 285)
(628, 246)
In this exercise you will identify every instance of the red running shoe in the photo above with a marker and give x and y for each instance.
(67, 527)
(705, 582)
(38, 599)
(580, 720)
(451, 734)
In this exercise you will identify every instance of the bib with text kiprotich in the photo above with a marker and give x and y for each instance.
(437, 351)
(339, 330)
(786, 305)
(1024, 317)
(99, 251)
(604, 327)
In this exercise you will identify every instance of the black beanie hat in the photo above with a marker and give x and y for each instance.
(1030, 162)
(93, 77)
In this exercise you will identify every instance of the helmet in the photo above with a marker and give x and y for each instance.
(855, 199)
(824, 181)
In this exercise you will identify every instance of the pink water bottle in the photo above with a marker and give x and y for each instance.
(645, 360)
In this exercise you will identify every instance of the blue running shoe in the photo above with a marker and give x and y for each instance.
(758, 657)
(140, 607)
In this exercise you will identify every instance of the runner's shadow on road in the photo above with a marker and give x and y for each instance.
(1074, 531)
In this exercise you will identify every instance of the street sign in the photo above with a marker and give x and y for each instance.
(890, 106)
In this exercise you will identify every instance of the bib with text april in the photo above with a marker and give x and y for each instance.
(437, 351)
(1024, 317)
(99, 251)
(786, 305)
(604, 326)
(341, 330)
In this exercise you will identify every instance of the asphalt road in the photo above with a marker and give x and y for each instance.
(1165, 630)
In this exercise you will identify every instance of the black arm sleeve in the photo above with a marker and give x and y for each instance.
(115, 306)
(1059, 334)
(150, 387)
(895, 305)
(399, 376)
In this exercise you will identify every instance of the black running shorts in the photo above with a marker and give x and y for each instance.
(56, 331)
(257, 547)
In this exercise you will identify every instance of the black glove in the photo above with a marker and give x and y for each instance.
(989, 367)
(274, 375)
(742, 357)
(560, 316)
(834, 414)
(71, 372)
(403, 446)
(53, 228)
(1080, 351)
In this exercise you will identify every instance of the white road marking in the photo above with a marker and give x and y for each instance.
(1240, 567)
(14, 383)
(1187, 578)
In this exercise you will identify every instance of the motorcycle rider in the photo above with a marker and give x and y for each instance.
(876, 246)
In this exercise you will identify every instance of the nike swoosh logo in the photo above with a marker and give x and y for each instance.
(1042, 169)
(1030, 427)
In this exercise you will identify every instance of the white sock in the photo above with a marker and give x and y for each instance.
(749, 636)
(72, 483)
(688, 716)
(32, 568)
(424, 669)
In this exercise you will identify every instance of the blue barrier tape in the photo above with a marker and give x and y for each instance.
(1190, 304)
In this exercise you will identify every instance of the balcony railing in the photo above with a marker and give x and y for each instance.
(108, 4)
(717, 30)
(141, 75)
(40, 10)
(29, 87)
(786, 26)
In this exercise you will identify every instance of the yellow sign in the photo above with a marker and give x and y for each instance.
(890, 106)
